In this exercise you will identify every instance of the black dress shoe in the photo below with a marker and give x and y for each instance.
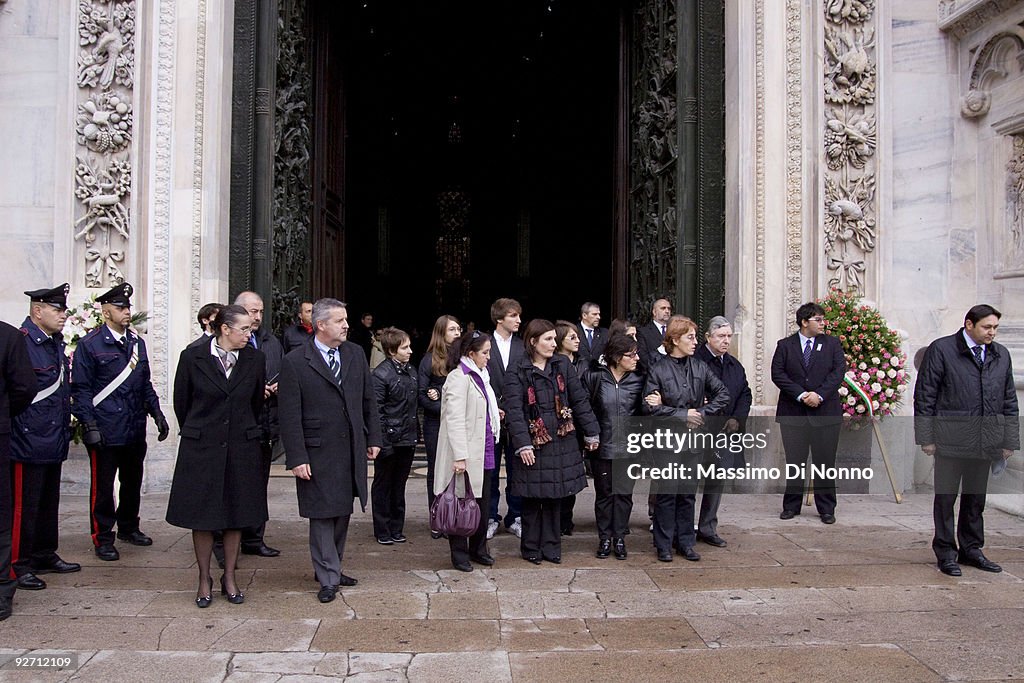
(398, 538)
(828, 518)
(347, 581)
(620, 548)
(981, 562)
(263, 550)
(484, 559)
(604, 548)
(714, 540)
(788, 514)
(664, 556)
(949, 567)
(57, 566)
(689, 553)
(30, 582)
(107, 552)
(532, 558)
(463, 566)
(326, 593)
(234, 598)
(436, 534)
(135, 538)
(5, 607)
(203, 601)
(557, 559)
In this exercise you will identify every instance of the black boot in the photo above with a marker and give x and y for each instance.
(604, 548)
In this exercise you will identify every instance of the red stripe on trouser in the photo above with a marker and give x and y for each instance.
(93, 455)
(16, 504)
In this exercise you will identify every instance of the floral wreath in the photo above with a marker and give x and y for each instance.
(876, 377)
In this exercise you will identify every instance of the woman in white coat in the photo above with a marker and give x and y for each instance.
(469, 427)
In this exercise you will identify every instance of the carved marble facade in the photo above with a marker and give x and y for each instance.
(103, 171)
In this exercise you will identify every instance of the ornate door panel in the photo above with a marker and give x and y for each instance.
(677, 156)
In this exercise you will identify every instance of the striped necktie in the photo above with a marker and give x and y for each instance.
(807, 352)
(334, 364)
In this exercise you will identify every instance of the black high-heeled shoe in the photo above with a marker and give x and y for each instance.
(203, 601)
(234, 598)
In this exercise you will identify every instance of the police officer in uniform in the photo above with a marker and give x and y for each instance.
(17, 389)
(112, 394)
(39, 443)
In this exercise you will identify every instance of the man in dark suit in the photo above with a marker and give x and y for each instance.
(966, 416)
(808, 368)
(732, 420)
(265, 342)
(593, 337)
(506, 352)
(330, 426)
(17, 389)
(650, 337)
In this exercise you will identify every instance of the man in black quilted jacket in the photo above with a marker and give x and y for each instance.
(965, 414)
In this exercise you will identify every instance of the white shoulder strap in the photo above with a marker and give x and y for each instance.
(119, 380)
(49, 391)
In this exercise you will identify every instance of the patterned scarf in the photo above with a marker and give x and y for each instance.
(538, 431)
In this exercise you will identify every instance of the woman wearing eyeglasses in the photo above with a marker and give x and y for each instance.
(615, 391)
(433, 371)
(567, 338)
(218, 478)
(685, 388)
(544, 405)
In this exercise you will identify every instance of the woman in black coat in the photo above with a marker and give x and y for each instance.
(395, 386)
(616, 392)
(218, 478)
(433, 371)
(544, 404)
(683, 387)
(567, 341)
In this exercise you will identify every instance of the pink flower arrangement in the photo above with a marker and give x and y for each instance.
(876, 363)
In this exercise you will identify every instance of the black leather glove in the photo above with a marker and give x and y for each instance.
(91, 435)
(163, 429)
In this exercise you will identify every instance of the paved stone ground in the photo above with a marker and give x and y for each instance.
(798, 600)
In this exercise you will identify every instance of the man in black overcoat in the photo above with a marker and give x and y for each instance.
(330, 426)
(649, 337)
(17, 389)
(808, 368)
(732, 420)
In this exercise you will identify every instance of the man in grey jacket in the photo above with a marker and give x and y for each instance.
(965, 414)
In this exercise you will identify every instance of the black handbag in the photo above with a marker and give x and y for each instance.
(455, 516)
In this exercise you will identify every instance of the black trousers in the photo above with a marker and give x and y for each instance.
(8, 584)
(542, 527)
(611, 509)
(950, 475)
(431, 429)
(821, 442)
(673, 520)
(707, 520)
(387, 493)
(565, 519)
(503, 449)
(463, 547)
(252, 537)
(35, 499)
(124, 462)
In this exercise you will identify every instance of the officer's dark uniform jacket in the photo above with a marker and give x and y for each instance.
(121, 417)
(41, 434)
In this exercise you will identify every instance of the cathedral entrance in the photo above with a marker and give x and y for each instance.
(479, 155)
(427, 158)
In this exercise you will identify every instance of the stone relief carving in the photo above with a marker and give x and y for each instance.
(795, 228)
(994, 61)
(849, 139)
(1013, 253)
(103, 133)
(760, 343)
(849, 70)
